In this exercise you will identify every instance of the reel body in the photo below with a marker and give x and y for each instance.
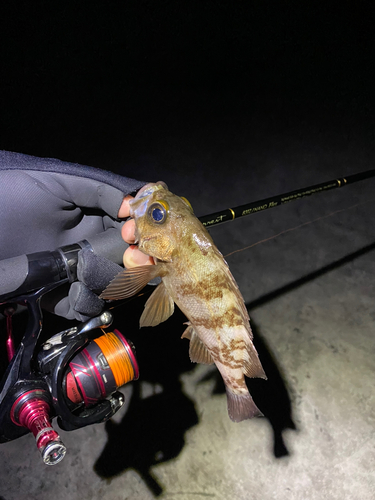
(75, 377)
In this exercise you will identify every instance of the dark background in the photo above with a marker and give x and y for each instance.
(179, 88)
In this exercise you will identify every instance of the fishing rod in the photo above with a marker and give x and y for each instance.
(229, 214)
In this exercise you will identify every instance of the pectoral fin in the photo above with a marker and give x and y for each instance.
(158, 308)
(198, 352)
(130, 281)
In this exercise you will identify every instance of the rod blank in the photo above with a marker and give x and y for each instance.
(229, 214)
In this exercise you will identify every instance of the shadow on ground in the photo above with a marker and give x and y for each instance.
(271, 395)
(152, 430)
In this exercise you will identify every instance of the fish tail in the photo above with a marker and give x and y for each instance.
(241, 406)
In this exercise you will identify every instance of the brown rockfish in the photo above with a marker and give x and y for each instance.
(196, 277)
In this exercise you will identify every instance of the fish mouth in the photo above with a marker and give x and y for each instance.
(136, 236)
(148, 238)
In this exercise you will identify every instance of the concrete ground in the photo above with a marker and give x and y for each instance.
(310, 294)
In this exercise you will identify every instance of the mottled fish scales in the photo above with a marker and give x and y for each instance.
(196, 277)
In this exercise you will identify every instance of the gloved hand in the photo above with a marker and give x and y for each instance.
(46, 204)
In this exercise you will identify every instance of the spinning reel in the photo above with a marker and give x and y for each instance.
(74, 376)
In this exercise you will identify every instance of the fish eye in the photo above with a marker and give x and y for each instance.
(185, 200)
(158, 211)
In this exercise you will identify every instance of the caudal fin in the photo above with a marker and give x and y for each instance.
(241, 407)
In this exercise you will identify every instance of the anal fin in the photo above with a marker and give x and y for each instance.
(198, 352)
(252, 366)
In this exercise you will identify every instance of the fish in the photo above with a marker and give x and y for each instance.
(195, 277)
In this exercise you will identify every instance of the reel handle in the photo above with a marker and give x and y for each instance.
(32, 410)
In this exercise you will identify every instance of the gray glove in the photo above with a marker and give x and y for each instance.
(46, 204)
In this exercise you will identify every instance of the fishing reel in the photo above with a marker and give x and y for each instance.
(74, 376)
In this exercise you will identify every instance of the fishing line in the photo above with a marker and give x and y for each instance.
(117, 357)
(105, 364)
(299, 226)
